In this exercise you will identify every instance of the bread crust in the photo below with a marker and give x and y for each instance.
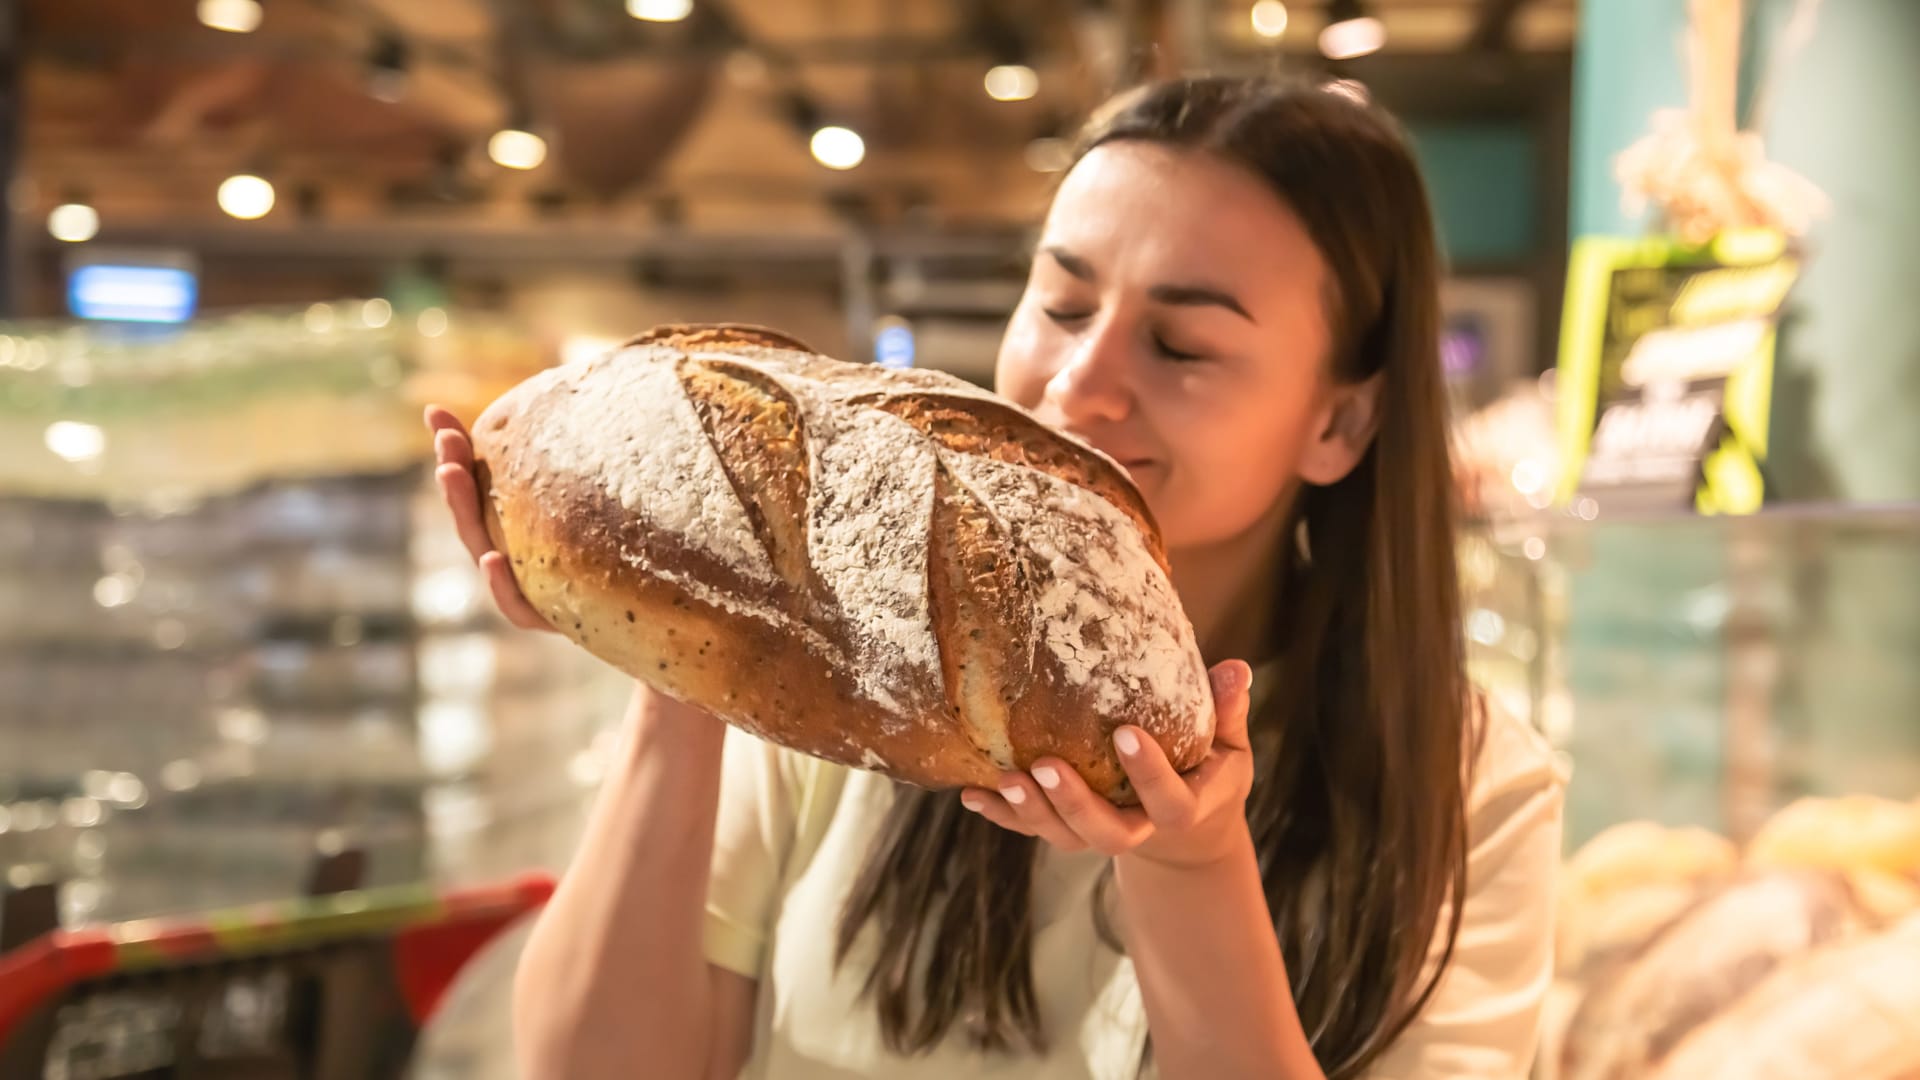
(890, 570)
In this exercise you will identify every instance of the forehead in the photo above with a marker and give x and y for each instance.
(1180, 210)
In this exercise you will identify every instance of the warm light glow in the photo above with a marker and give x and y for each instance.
(233, 16)
(1351, 89)
(516, 149)
(75, 223)
(1012, 82)
(1350, 38)
(1528, 476)
(838, 147)
(376, 312)
(583, 348)
(246, 197)
(660, 10)
(1269, 18)
(1049, 155)
(433, 322)
(76, 441)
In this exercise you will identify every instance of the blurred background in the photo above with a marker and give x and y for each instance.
(243, 659)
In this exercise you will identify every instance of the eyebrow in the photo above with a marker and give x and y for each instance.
(1179, 295)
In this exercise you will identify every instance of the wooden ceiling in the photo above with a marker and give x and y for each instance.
(136, 108)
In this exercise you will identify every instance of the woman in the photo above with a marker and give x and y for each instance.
(1235, 296)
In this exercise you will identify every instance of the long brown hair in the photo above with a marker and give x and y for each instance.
(1357, 810)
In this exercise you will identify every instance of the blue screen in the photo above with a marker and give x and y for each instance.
(151, 294)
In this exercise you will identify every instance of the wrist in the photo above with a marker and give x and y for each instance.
(1227, 852)
(654, 717)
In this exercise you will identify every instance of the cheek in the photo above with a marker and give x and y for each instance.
(1230, 465)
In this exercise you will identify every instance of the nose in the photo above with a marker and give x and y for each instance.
(1093, 387)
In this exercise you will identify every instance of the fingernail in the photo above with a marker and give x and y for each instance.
(1048, 778)
(972, 802)
(1127, 741)
(1014, 795)
(1228, 677)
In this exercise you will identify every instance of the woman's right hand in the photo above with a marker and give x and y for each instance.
(453, 450)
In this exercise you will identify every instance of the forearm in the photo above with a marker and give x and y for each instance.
(614, 968)
(1210, 970)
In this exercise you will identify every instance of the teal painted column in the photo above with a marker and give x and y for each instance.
(1847, 387)
(1628, 62)
(1846, 427)
(1844, 116)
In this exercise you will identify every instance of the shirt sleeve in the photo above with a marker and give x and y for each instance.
(1483, 1021)
(753, 833)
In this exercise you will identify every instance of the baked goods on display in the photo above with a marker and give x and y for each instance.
(893, 570)
(1795, 956)
(1851, 1010)
(1629, 881)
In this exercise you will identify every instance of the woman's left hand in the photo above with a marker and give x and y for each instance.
(1189, 820)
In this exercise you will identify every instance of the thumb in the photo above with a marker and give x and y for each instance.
(1232, 685)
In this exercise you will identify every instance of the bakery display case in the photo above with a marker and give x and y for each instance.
(1738, 700)
(238, 638)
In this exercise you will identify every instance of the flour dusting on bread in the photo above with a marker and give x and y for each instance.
(858, 636)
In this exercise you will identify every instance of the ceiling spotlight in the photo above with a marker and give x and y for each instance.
(233, 16)
(1269, 18)
(1012, 82)
(74, 223)
(517, 148)
(660, 10)
(246, 196)
(838, 147)
(1350, 31)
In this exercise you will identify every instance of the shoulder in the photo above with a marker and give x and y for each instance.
(1508, 760)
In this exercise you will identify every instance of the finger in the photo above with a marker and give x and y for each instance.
(462, 497)
(1105, 827)
(1036, 816)
(440, 418)
(507, 596)
(1164, 794)
(453, 448)
(1232, 685)
(991, 806)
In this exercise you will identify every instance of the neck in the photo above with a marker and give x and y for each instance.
(1227, 588)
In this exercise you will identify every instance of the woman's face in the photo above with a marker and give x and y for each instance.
(1175, 318)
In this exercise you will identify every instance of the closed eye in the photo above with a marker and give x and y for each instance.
(1064, 317)
(1172, 353)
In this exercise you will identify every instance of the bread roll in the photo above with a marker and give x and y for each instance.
(1637, 1011)
(1627, 883)
(1850, 1011)
(892, 570)
(1847, 832)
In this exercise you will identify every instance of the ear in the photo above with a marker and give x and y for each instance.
(1346, 428)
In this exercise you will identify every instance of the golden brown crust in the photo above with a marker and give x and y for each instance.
(1008, 435)
(773, 650)
(756, 429)
(719, 337)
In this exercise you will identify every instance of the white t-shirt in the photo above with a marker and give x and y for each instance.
(794, 832)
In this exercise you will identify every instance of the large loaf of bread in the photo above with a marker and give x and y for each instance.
(892, 570)
(1850, 1011)
(1639, 1009)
